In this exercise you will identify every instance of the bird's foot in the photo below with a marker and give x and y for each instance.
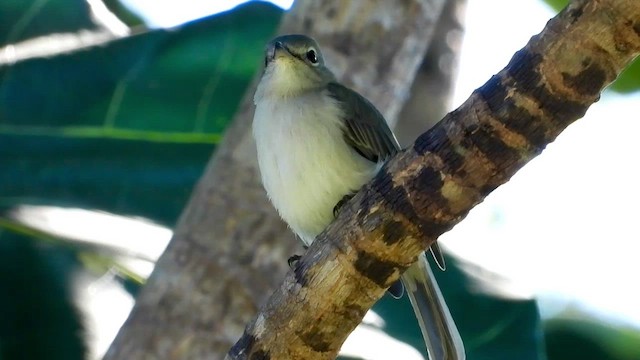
(293, 261)
(396, 290)
(340, 204)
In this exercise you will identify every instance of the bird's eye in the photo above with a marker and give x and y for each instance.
(312, 56)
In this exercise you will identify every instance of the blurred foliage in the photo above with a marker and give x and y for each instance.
(123, 13)
(25, 19)
(491, 327)
(629, 80)
(127, 127)
(577, 338)
(38, 319)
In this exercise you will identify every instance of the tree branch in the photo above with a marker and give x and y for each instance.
(430, 187)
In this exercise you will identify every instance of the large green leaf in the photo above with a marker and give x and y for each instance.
(629, 80)
(127, 126)
(25, 19)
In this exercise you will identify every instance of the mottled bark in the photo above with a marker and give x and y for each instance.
(229, 249)
(427, 189)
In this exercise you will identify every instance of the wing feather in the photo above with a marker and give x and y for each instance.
(365, 128)
(368, 133)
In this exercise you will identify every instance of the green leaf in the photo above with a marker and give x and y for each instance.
(557, 5)
(38, 319)
(127, 127)
(123, 13)
(585, 338)
(629, 80)
(25, 19)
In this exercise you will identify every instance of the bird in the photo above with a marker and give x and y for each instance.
(318, 142)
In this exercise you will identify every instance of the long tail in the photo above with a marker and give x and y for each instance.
(438, 329)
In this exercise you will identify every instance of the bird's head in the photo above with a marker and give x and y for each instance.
(293, 65)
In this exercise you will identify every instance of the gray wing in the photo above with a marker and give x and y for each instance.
(365, 128)
(368, 133)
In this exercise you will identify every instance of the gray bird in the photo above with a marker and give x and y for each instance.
(318, 142)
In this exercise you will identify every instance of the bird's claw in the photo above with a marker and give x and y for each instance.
(340, 204)
(293, 261)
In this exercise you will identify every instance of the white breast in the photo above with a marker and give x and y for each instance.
(306, 165)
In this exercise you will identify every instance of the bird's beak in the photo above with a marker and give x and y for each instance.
(273, 49)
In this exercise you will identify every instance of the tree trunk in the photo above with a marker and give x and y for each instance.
(432, 89)
(229, 249)
(430, 187)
